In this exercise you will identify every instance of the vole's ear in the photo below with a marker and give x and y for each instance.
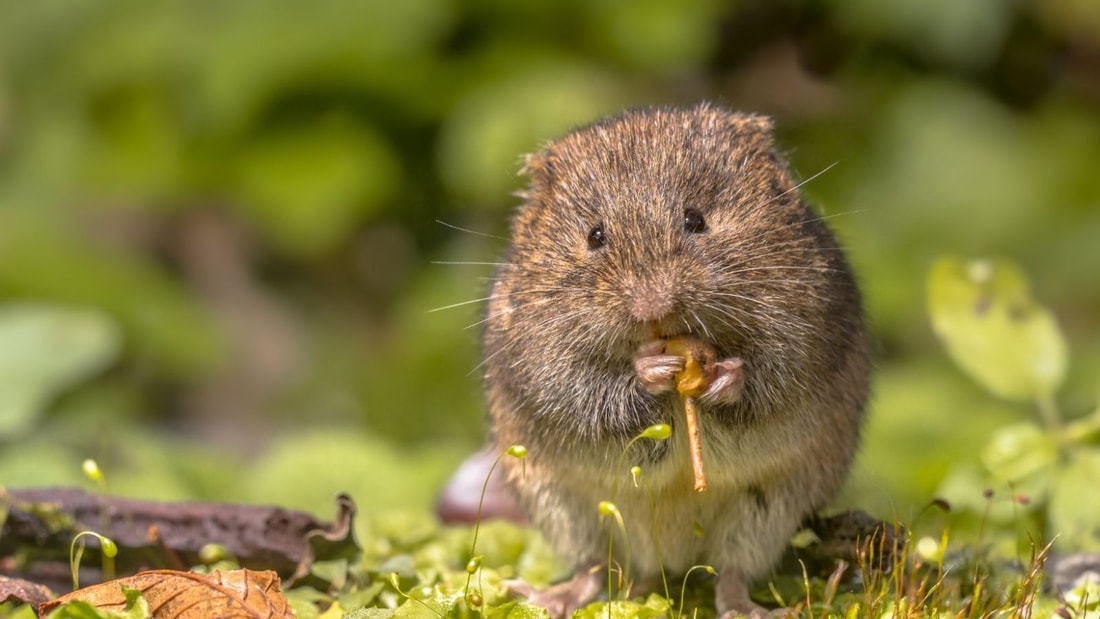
(538, 167)
(738, 122)
(753, 123)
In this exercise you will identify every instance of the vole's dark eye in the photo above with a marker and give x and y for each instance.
(596, 237)
(694, 221)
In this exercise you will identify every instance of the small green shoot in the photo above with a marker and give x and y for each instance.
(76, 552)
(683, 586)
(473, 566)
(210, 554)
(636, 474)
(93, 472)
(655, 432)
(395, 582)
(609, 510)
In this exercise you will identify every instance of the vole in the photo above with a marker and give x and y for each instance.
(656, 224)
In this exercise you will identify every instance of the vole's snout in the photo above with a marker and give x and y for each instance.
(651, 299)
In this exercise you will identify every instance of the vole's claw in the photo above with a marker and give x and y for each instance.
(727, 381)
(656, 371)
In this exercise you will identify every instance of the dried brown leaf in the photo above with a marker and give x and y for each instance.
(22, 591)
(172, 594)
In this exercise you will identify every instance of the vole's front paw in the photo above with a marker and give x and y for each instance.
(727, 381)
(655, 370)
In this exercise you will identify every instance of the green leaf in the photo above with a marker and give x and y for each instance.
(139, 151)
(428, 603)
(983, 313)
(310, 186)
(370, 613)
(1085, 596)
(78, 610)
(488, 129)
(297, 471)
(47, 259)
(45, 349)
(524, 610)
(654, 35)
(1074, 504)
(1021, 455)
(654, 607)
(136, 608)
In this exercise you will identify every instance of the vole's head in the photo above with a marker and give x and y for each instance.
(664, 222)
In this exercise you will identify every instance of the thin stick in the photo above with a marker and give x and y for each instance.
(695, 445)
(692, 382)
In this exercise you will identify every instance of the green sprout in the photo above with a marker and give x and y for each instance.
(395, 582)
(93, 472)
(473, 566)
(683, 586)
(107, 546)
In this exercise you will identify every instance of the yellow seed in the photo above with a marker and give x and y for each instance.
(692, 380)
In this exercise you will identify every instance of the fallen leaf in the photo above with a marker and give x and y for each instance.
(186, 595)
(22, 591)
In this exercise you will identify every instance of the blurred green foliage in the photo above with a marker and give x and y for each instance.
(1010, 344)
(46, 350)
(992, 328)
(251, 192)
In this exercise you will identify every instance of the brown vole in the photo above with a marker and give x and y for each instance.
(656, 224)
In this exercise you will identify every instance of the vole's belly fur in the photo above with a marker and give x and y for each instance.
(761, 486)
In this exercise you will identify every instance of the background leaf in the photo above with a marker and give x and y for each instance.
(44, 350)
(1073, 504)
(983, 312)
(308, 185)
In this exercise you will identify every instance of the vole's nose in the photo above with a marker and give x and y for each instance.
(651, 300)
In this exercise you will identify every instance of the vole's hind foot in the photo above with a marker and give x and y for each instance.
(656, 371)
(732, 599)
(727, 382)
(759, 612)
(562, 599)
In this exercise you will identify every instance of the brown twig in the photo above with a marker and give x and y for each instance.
(695, 444)
(691, 382)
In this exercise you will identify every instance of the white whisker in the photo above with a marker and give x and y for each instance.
(484, 234)
(459, 304)
(471, 263)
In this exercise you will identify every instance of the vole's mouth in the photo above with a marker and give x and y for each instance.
(661, 330)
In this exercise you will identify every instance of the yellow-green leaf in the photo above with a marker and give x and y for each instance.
(1074, 504)
(983, 313)
(45, 349)
(1021, 455)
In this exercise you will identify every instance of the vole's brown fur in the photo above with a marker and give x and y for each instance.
(572, 321)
